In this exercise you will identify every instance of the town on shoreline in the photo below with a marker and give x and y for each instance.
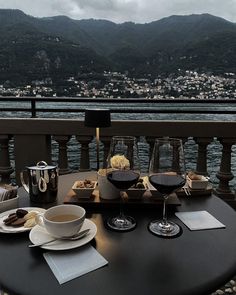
(187, 84)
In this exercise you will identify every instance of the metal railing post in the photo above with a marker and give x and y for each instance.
(33, 108)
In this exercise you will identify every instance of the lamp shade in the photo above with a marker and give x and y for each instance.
(97, 118)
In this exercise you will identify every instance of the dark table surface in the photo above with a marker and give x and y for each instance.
(197, 262)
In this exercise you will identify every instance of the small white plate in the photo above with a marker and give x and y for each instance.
(39, 235)
(11, 229)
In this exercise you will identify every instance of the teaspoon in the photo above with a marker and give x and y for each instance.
(72, 238)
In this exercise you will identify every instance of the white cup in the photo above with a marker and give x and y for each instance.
(62, 221)
(106, 189)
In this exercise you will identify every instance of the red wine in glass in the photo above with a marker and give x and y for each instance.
(166, 174)
(123, 179)
(165, 183)
(123, 171)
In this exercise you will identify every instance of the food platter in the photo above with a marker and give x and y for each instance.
(11, 229)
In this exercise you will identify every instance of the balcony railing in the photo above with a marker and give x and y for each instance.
(36, 107)
(24, 142)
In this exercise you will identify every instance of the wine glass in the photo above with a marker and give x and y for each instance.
(167, 174)
(123, 171)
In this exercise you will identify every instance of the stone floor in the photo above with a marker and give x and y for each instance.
(229, 288)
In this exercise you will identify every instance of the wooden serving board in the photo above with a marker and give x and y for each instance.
(196, 192)
(95, 202)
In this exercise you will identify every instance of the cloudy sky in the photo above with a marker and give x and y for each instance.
(139, 11)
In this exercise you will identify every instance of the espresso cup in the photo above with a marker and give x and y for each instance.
(62, 221)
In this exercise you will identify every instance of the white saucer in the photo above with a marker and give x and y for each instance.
(10, 229)
(39, 235)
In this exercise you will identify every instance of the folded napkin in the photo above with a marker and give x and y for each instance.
(197, 220)
(71, 264)
(3, 194)
(7, 191)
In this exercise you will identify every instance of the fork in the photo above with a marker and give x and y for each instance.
(186, 190)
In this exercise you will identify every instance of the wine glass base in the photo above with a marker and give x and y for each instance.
(170, 229)
(121, 223)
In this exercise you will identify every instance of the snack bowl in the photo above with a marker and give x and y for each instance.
(137, 191)
(200, 183)
(82, 190)
(9, 204)
(154, 193)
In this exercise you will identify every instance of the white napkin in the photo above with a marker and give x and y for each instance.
(71, 264)
(197, 220)
(3, 194)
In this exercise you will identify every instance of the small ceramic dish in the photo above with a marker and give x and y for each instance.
(154, 193)
(200, 184)
(83, 192)
(137, 191)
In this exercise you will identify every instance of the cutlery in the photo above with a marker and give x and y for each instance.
(72, 238)
(187, 191)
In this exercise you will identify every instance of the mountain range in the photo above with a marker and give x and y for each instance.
(35, 48)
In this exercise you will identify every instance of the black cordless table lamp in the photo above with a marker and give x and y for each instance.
(97, 118)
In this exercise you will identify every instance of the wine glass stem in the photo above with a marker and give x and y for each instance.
(164, 219)
(121, 206)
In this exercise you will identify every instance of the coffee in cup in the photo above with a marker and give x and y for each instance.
(62, 220)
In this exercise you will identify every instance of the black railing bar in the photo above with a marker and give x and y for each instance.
(114, 100)
(33, 108)
(161, 111)
(165, 111)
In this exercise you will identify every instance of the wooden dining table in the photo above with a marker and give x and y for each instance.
(196, 262)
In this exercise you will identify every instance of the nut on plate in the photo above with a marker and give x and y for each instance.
(87, 183)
